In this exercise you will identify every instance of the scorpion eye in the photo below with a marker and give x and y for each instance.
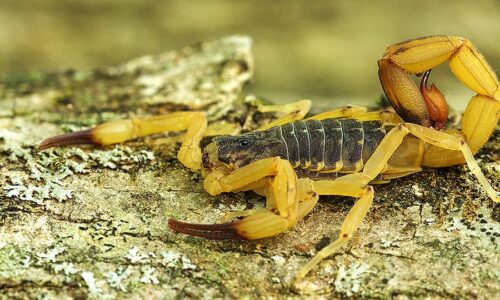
(244, 142)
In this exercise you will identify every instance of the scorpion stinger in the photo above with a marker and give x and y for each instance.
(435, 102)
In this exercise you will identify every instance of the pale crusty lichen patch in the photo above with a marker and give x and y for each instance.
(36, 176)
(95, 225)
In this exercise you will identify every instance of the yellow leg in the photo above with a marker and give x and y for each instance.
(355, 185)
(308, 197)
(451, 142)
(385, 116)
(216, 129)
(349, 227)
(359, 113)
(294, 111)
(468, 65)
(349, 111)
(123, 130)
(352, 184)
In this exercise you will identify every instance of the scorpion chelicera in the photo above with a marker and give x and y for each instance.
(292, 160)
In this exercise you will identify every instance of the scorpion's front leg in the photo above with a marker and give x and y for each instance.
(114, 132)
(427, 107)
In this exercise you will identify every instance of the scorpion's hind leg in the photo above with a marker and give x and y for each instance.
(454, 143)
(114, 132)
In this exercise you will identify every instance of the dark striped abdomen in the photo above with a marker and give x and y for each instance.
(331, 145)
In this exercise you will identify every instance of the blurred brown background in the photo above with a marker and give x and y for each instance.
(322, 50)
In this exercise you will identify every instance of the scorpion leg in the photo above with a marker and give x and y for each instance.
(359, 113)
(385, 116)
(451, 142)
(355, 185)
(349, 111)
(216, 129)
(293, 112)
(122, 130)
(349, 226)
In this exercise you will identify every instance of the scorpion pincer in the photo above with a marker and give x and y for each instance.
(292, 160)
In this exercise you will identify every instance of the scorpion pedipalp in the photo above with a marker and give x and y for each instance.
(69, 139)
(209, 231)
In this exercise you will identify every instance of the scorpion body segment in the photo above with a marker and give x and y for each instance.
(316, 149)
(292, 161)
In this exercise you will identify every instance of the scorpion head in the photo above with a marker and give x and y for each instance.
(237, 151)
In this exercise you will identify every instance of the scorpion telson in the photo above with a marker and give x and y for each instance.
(292, 161)
(435, 102)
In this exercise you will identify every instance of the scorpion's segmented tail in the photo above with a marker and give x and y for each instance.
(226, 231)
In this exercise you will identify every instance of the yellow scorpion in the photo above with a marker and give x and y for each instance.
(292, 160)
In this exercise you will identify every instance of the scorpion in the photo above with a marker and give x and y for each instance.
(293, 160)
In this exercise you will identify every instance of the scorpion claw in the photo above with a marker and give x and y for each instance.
(435, 102)
(259, 225)
(226, 231)
(72, 138)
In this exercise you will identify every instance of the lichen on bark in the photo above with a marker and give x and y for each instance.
(91, 222)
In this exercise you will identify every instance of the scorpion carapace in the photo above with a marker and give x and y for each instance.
(340, 152)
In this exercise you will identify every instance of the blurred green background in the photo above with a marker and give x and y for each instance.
(322, 50)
